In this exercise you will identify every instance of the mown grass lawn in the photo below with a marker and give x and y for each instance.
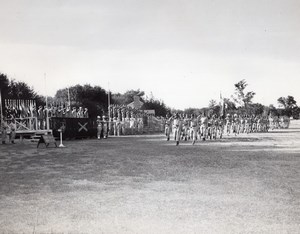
(247, 184)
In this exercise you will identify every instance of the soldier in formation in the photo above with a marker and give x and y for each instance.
(211, 127)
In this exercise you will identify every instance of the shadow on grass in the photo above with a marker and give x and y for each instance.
(241, 139)
(284, 131)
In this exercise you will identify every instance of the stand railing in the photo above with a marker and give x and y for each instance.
(29, 124)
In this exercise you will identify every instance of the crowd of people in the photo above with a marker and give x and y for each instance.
(202, 127)
(123, 120)
(35, 118)
(12, 111)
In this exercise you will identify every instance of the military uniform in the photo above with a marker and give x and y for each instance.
(203, 127)
(177, 126)
(132, 125)
(4, 128)
(99, 127)
(194, 128)
(12, 133)
(105, 127)
(168, 128)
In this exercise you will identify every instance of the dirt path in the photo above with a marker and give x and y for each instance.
(244, 184)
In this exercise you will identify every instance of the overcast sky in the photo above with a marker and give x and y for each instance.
(183, 51)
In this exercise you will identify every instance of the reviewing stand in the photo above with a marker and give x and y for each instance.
(47, 140)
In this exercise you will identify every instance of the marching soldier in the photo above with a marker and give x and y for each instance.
(247, 124)
(185, 127)
(203, 126)
(177, 125)
(194, 128)
(168, 126)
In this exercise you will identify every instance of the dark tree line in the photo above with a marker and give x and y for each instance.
(95, 99)
(12, 89)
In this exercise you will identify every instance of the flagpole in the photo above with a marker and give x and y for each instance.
(108, 101)
(69, 100)
(47, 115)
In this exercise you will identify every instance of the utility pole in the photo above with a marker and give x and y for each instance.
(108, 101)
(47, 110)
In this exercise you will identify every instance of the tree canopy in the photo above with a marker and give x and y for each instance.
(289, 106)
(92, 97)
(12, 89)
(241, 97)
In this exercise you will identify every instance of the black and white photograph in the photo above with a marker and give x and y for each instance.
(149, 116)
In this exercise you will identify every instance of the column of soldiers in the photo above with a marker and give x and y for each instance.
(204, 127)
(121, 120)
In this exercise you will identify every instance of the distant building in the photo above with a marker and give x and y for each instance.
(136, 104)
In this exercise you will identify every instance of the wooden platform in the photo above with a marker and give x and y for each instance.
(32, 133)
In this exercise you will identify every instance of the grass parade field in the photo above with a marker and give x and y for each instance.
(144, 184)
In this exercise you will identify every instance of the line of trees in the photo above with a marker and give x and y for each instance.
(241, 102)
(12, 89)
(95, 99)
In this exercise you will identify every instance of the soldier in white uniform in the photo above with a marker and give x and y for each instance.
(168, 126)
(132, 124)
(203, 126)
(185, 127)
(105, 126)
(193, 128)
(220, 126)
(235, 124)
(228, 124)
(177, 126)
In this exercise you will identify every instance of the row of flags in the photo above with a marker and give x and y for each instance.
(17, 107)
